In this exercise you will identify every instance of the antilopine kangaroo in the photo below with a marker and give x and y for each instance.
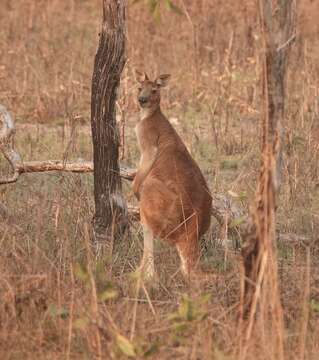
(174, 199)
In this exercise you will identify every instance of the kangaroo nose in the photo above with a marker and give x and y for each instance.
(142, 99)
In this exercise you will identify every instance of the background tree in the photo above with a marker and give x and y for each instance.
(108, 66)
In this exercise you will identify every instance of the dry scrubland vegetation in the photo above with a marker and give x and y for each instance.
(51, 289)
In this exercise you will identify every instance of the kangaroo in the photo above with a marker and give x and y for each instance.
(174, 199)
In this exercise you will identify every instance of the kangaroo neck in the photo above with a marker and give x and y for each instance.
(149, 112)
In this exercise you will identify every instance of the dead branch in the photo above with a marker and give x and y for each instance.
(23, 167)
(6, 144)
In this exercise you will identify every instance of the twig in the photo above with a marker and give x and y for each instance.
(287, 43)
(70, 327)
(305, 308)
(94, 296)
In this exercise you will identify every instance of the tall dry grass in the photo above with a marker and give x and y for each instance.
(56, 301)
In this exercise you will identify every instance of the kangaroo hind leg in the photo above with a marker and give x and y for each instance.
(147, 264)
(189, 254)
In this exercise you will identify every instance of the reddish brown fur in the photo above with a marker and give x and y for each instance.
(175, 202)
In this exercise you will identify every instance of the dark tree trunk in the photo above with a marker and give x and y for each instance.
(110, 210)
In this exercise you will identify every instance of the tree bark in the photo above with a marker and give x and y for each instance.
(110, 211)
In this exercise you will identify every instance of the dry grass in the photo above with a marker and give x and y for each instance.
(53, 305)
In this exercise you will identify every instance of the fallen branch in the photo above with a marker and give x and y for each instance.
(22, 167)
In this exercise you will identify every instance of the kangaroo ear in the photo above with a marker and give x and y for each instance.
(140, 76)
(162, 80)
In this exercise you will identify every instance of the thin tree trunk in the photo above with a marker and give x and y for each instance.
(277, 21)
(109, 62)
(278, 30)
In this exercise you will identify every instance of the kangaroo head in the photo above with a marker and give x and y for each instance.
(149, 92)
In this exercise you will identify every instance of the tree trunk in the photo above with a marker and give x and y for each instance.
(110, 209)
(278, 31)
(277, 21)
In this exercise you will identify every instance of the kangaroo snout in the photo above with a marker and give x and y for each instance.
(142, 100)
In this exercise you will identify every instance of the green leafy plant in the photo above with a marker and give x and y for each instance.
(188, 315)
(108, 293)
(190, 310)
(106, 290)
(155, 6)
(237, 222)
(81, 323)
(125, 346)
(56, 312)
(229, 164)
(314, 305)
(81, 273)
